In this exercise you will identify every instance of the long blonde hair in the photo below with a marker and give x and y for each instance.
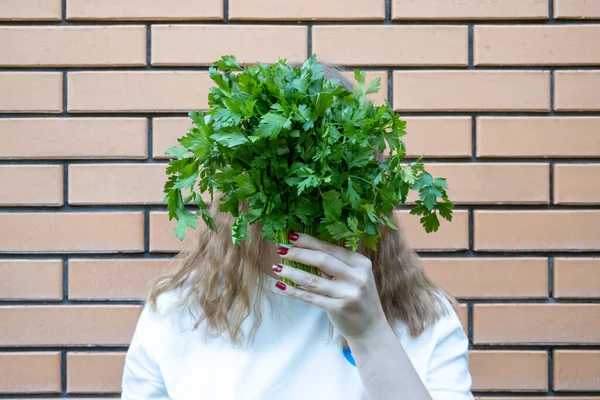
(224, 282)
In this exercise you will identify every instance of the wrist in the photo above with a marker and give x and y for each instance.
(378, 331)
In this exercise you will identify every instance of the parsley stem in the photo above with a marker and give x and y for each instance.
(309, 229)
(242, 160)
(375, 190)
(362, 179)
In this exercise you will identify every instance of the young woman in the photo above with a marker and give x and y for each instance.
(220, 325)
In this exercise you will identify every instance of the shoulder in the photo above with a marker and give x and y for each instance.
(448, 374)
(166, 303)
(449, 323)
(446, 326)
(156, 322)
(142, 373)
(447, 331)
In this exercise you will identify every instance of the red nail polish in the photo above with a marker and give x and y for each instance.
(277, 267)
(293, 236)
(282, 250)
(280, 285)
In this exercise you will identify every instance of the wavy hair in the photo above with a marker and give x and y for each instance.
(223, 282)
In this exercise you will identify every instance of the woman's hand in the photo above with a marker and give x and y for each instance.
(346, 291)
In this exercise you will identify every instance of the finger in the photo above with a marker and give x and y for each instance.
(326, 303)
(310, 242)
(308, 281)
(324, 261)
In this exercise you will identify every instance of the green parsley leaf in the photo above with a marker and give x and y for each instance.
(239, 228)
(351, 196)
(227, 63)
(373, 86)
(231, 138)
(332, 205)
(270, 125)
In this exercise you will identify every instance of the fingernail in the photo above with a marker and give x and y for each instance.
(277, 267)
(280, 285)
(282, 250)
(293, 236)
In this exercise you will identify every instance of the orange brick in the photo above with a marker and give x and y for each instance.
(438, 137)
(23, 10)
(31, 279)
(576, 370)
(72, 232)
(72, 138)
(379, 45)
(536, 45)
(450, 236)
(68, 325)
(165, 132)
(538, 137)
(196, 45)
(493, 183)
(39, 46)
(471, 90)
(576, 277)
(94, 372)
(578, 9)
(34, 185)
(31, 92)
(536, 323)
(144, 10)
(113, 279)
(577, 90)
(552, 230)
(573, 184)
(138, 91)
(306, 9)
(162, 237)
(117, 183)
(469, 9)
(490, 277)
(509, 370)
(30, 372)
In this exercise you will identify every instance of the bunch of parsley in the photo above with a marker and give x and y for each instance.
(295, 151)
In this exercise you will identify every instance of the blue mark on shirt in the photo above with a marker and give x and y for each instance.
(348, 355)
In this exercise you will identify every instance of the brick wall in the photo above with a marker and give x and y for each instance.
(502, 96)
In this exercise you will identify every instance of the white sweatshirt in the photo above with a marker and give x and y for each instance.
(292, 358)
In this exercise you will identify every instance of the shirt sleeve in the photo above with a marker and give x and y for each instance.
(448, 376)
(142, 379)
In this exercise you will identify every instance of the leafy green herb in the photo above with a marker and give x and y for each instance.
(299, 150)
